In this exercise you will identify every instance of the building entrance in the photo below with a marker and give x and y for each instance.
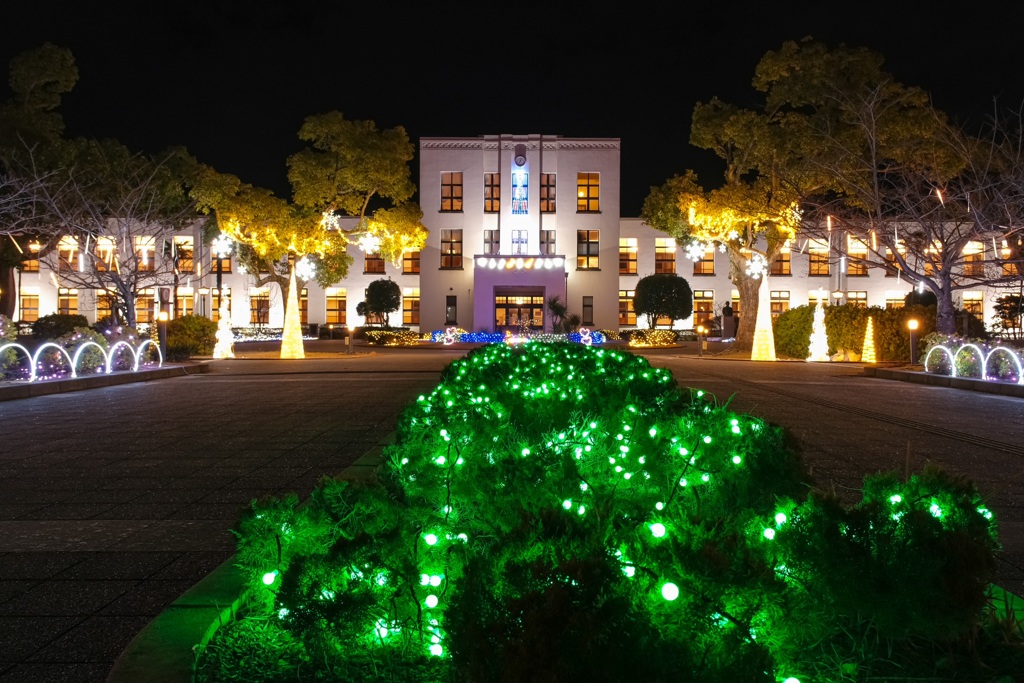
(516, 308)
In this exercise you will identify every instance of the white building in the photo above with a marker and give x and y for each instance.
(513, 220)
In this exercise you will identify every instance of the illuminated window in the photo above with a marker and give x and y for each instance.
(105, 304)
(492, 192)
(215, 314)
(779, 302)
(665, 255)
(932, 260)
(894, 300)
(451, 191)
(588, 310)
(627, 315)
(706, 264)
(817, 258)
(588, 192)
(184, 302)
(519, 242)
(225, 263)
(520, 192)
(411, 262)
(857, 299)
(145, 302)
(31, 263)
(894, 267)
(735, 302)
(588, 249)
(703, 307)
(29, 306)
(67, 301)
(336, 306)
(781, 264)
(547, 193)
(1010, 267)
(492, 242)
(105, 253)
(411, 307)
(259, 306)
(373, 262)
(145, 254)
(184, 253)
(67, 251)
(547, 242)
(627, 255)
(304, 306)
(974, 259)
(857, 259)
(451, 249)
(974, 302)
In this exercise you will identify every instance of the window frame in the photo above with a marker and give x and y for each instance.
(628, 251)
(588, 249)
(451, 192)
(451, 249)
(547, 193)
(588, 192)
(492, 192)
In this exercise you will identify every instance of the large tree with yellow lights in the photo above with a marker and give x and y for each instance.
(351, 165)
(753, 214)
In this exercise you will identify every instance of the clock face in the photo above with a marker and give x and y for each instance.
(520, 159)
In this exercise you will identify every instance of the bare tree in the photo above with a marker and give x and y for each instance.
(119, 213)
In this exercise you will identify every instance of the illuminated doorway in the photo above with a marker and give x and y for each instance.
(518, 307)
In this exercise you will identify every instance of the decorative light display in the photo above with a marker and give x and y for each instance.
(757, 266)
(526, 465)
(459, 335)
(764, 337)
(73, 356)
(291, 339)
(520, 262)
(225, 347)
(819, 336)
(695, 250)
(954, 353)
(867, 354)
(305, 269)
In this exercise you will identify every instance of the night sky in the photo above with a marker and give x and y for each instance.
(232, 80)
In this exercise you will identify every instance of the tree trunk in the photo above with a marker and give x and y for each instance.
(945, 313)
(8, 290)
(747, 287)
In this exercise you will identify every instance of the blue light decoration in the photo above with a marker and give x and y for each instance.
(520, 193)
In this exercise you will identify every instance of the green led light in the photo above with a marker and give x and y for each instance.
(736, 460)
(769, 534)
(895, 498)
(431, 601)
(567, 504)
(669, 591)
(707, 439)
(430, 539)
(659, 506)
(658, 530)
(780, 518)
(525, 452)
(436, 650)
(269, 577)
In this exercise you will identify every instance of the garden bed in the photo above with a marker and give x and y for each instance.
(556, 512)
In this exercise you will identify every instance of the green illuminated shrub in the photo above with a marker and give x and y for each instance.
(555, 512)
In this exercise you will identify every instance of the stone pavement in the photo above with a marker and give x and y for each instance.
(114, 501)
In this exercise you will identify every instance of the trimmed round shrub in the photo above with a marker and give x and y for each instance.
(55, 325)
(190, 335)
(9, 359)
(652, 337)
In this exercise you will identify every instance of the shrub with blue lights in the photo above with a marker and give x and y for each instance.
(557, 512)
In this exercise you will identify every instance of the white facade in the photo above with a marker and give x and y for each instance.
(513, 221)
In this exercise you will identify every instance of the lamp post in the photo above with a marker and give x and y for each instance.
(700, 341)
(912, 326)
(221, 247)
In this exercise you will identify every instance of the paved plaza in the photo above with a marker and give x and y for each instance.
(114, 501)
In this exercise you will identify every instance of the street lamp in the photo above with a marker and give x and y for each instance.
(221, 247)
(161, 330)
(700, 342)
(912, 326)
